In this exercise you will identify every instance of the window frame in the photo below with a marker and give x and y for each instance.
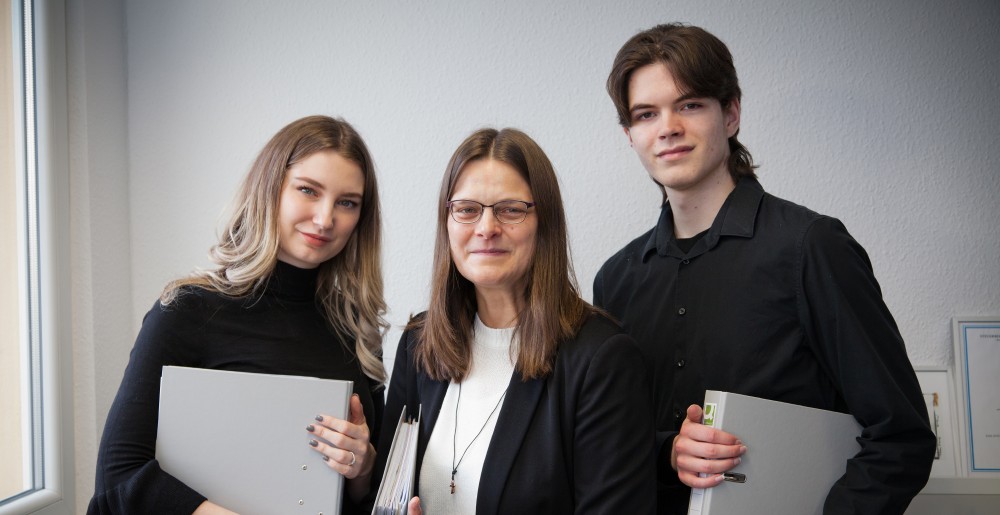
(53, 483)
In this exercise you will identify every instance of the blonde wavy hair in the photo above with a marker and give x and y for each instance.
(349, 285)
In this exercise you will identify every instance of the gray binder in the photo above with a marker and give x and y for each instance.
(240, 440)
(396, 488)
(794, 456)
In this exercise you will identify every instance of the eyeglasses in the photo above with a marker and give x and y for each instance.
(507, 211)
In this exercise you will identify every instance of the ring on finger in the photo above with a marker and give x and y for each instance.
(354, 459)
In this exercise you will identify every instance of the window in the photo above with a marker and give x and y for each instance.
(35, 449)
(14, 480)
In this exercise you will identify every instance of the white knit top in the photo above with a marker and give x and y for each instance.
(492, 368)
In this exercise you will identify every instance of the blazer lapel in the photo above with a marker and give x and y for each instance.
(512, 425)
(431, 394)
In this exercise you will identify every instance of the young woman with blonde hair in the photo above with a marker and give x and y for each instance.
(296, 290)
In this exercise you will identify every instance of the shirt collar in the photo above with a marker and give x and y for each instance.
(737, 217)
(293, 283)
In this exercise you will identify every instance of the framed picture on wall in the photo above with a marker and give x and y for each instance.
(936, 386)
(977, 381)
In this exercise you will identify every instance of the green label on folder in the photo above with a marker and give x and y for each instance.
(710, 409)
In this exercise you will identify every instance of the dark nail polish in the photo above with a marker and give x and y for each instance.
(326, 458)
(314, 443)
(319, 418)
(310, 428)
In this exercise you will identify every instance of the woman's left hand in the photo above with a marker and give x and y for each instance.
(349, 451)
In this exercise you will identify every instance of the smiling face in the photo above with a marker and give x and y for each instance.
(319, 208)
(494, 257)
(682, 140)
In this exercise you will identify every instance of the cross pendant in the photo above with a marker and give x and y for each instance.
(453, 487)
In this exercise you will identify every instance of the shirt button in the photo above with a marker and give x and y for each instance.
(677, 413)
(680, 363)
(681, 311)
(686, 262)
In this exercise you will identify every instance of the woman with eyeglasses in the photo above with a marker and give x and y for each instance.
(532, 400)
(296, 290)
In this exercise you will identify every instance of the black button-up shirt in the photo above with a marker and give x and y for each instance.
(779, 302)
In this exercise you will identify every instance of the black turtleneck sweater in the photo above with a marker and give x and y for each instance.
(282, 331)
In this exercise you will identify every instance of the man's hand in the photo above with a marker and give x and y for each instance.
(701, 454)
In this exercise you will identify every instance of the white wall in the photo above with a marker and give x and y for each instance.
(879, 113)
(103, 325)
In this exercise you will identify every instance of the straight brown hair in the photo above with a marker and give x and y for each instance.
(700, 63)
(554, 311)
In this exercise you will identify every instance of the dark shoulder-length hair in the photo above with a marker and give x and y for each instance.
(700, 64)
(553, 309)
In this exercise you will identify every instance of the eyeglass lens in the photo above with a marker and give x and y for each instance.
(507, 211)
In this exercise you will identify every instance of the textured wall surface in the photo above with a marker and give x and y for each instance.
(99, 189)
(879, 113)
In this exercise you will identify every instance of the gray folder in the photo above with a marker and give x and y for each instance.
(396, 488)
(794, 456)
(240, 440)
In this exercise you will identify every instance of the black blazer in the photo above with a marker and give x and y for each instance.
(579, 441)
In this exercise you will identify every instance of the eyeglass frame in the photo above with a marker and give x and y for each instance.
(528, 205)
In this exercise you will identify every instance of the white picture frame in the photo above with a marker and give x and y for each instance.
(936, 385)
(977, 387)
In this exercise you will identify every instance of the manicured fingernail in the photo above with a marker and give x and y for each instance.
(319, 418)
(314, 443)
(326, 458)
(743, 449)
(738, 460)
(310, 428)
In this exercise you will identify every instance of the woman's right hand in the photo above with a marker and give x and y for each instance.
(414, 507)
